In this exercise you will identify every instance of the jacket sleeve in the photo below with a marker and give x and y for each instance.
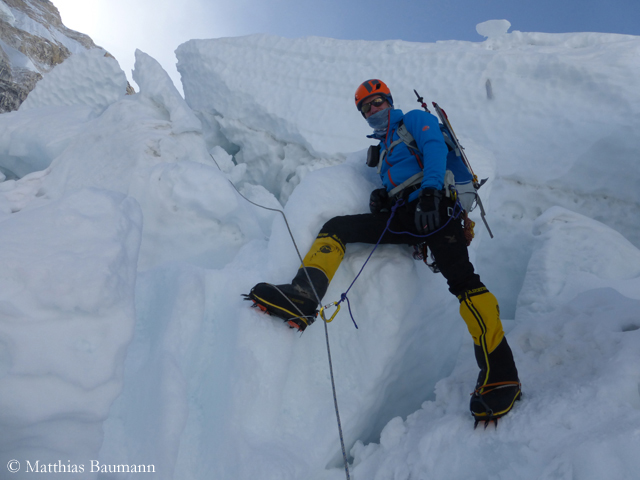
(426, 131)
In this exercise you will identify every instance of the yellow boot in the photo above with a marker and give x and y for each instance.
(296, 303)
(498, 385)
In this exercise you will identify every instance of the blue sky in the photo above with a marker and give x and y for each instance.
(157, 27)
(429, 20)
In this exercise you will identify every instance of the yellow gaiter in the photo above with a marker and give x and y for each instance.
(325, 254)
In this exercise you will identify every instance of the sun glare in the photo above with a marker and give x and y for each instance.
(79, 15)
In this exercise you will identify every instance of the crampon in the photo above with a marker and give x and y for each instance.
(492, 401)
(297, 312)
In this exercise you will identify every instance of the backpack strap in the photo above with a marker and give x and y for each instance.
(406, 137)
(394, 144)
(409, 182)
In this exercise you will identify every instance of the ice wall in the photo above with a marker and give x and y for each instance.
(66, 318)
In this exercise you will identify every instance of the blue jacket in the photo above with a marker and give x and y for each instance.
(402, 163)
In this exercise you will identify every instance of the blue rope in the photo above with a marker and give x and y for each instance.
(457, 211)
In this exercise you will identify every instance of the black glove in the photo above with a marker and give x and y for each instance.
(428, 211)
(379, 201)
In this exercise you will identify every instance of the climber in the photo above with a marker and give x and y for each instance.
(413, 195)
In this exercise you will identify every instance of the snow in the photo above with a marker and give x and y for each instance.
(6, 15)
(67, 318)
(158, 86)
(87, 78)
(16, 58)
(126, 244)
(493, 28)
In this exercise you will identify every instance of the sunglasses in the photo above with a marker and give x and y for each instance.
(376, 102)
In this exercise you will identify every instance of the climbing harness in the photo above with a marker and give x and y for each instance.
(454, 213)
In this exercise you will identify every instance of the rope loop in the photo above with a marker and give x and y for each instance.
(455, 213)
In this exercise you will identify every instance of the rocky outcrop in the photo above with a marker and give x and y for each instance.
(33, 40)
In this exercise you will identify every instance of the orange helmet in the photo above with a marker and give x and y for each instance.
(370, 88)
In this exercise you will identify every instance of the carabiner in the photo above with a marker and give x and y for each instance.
(336, 304)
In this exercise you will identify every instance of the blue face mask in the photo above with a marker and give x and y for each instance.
(379, 121)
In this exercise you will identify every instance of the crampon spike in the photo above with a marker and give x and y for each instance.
(264, 309)
(257, 305)
(261, 307)
(486, 422)
(293, 324)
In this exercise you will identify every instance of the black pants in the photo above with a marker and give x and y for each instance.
(448, 246)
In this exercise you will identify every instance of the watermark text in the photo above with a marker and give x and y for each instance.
(94, 466)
